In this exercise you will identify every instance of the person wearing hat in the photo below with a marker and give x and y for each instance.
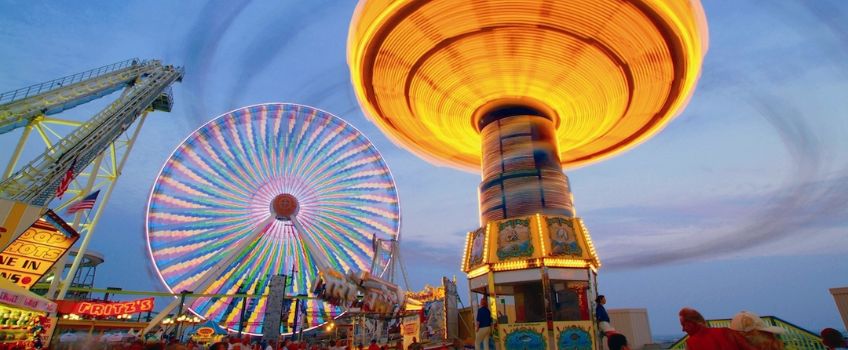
(702, 337)
(756, 332)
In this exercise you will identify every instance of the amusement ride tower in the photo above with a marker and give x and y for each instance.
(519, 90)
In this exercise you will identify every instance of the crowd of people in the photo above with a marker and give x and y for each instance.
(747, 331)
(228, 343)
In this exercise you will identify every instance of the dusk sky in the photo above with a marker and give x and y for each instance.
(740, 203)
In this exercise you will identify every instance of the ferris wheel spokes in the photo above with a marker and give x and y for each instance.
(218, 185)
(212, 274)
(338, 288)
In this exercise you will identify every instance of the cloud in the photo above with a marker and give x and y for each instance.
(423, 259)
(273, 39)
(744, 224)
(201, 46)
(809, 202)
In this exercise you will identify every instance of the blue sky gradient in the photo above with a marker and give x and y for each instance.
(740, 203)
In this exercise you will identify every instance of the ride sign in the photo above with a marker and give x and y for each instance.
(105, 308)
(36, 250)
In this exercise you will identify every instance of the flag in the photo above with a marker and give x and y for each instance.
(85, 203)
(66, 180)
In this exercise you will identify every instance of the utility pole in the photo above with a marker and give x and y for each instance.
(243, 310)
(183, 295)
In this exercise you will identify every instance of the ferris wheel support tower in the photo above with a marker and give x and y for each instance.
(95, 151)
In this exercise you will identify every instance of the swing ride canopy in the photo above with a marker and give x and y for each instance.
(609, 73)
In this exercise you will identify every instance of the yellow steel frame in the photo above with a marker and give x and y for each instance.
(101, 174)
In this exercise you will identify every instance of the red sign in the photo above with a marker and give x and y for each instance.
(105, 308)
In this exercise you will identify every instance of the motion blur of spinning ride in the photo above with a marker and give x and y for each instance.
(260, 186)
(606, 73)
(520, 89)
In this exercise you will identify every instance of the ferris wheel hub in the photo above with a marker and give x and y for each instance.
(284, 206)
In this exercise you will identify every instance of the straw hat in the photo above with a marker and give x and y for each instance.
(746, 321)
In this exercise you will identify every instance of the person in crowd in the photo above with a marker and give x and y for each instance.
(175, 345)
(218, 346)
(137, 344)
(833, 339)
(484, 325)
(373, 345)
(702, 337)
(415, 345)
(756, 332)
(237, 344)
(602, 316)
(617, 341)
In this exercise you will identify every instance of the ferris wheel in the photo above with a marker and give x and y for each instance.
(266, 190)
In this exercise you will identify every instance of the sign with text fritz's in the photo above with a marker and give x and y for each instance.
(95, 308)
(36, 250)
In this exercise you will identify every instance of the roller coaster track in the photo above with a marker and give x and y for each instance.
(19, 107)
(146, 83)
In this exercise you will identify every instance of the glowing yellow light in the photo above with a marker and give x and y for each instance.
(541, 235)
(595, 260)
(611, 72)
(478, 271)
(562, 262)
(465, 256)
(486, 246)
(515, 265)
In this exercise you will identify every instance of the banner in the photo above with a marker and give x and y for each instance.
(32, 254)
(15, 217)
(526, 336)
(274, 309)
(105, 308)
(12, 295)
(410, 328)
(451, 308)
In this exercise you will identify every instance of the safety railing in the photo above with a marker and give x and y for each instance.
(22, 93)
(32, 182)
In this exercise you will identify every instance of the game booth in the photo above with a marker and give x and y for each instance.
(31, 246)
(23, 316)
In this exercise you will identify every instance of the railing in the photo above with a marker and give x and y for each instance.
(32, 183)
(22, 93)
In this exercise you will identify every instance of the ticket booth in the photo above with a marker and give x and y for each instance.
(538, 274)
